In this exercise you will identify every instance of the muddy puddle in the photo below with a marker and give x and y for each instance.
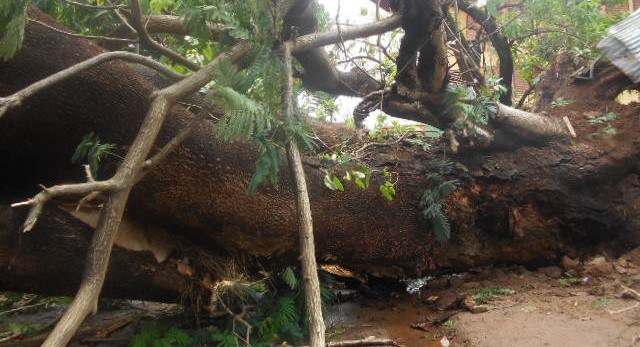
(362, 318)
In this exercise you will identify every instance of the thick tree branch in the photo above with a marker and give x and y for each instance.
(533, 126)
(103, 38)
(85, 302)
(305, 222)
(8, 102)
(316, 40)
(499, 42)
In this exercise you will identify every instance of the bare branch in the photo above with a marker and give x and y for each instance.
(86, 300)
(316, 40)
(152, 162)
(16, 99)
(41, 199)
(136, 13)
(94, 7)
(105, 38)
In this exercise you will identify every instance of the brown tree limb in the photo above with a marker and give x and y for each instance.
(317, 40)
(146, 40)
(40, 200)
(533, 126)
(93, 7)
(16, 99)
(86, 300)
(104, 38)
(305, 222)
(499, 42)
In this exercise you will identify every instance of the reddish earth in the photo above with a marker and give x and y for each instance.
(593, 303)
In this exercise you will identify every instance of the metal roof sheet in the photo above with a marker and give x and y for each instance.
(622, 46)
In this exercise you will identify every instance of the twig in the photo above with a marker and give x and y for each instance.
(40, 200)
(567, 122)
(624, 309)
(525, 95)
(94, 7)
(240, 318)
(105, 38)
(117, 325)
(21, 308)
(18, 97)
(125, 21)
(369, 341)
(145, 39)
(633, 293)
(36, 332)
(152, 162)
(356, 153)
(313, 302)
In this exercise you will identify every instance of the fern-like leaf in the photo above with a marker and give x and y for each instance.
(289, 277)
(13, 18)
(267, 166)
(93, 150)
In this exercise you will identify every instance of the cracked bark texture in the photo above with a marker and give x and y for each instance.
(527, 206)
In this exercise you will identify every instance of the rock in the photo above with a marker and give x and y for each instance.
(619, 268)
(469, 303)
(479, 309)
(439, 283)
(456, 281)
(632, 257)
(570, 265)
(448, 301)
(551, 271)
(420, 326)
(600, 270)
(597, 260)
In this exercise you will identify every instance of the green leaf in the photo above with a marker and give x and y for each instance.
(328, 182)
(93, 151)
(267, 166)
(13, 18)
(388, 190)
(337, 183)
(289, 277)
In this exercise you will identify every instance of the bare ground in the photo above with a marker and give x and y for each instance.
(595, 302)
(590, 303)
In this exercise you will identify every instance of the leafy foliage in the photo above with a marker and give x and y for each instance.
(92, 150)
(541, 29)
(468, 105)
(280, 312)
(251, 99)
(488, 294)
(13, 18)
(156, 335)
(431, 199)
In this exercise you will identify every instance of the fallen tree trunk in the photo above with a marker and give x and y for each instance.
(529, 206)
(51, 260)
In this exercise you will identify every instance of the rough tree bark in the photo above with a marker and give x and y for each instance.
(528, 206)
(306, 239)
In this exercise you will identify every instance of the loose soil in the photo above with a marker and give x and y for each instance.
(578, 305)
(590, 303)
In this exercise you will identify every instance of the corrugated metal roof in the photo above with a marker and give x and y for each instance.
(622, 46)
